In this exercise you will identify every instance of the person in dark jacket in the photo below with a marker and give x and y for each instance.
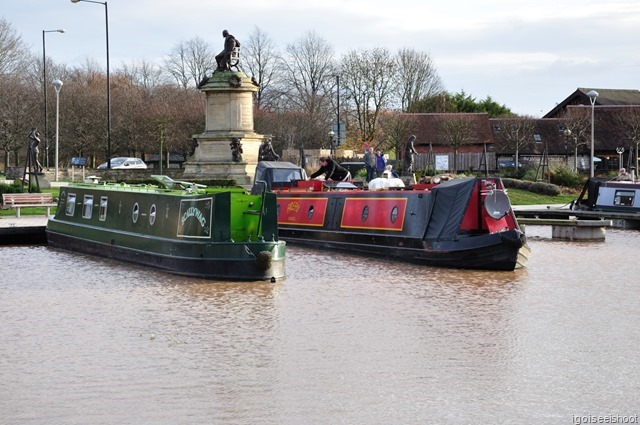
(332, 170)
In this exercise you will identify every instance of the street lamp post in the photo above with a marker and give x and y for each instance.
(106, 21)
(338, 108)
(567, 134)
(57, 84)
(620, 151)
(44, 88)
(592, 98)
(332, 139)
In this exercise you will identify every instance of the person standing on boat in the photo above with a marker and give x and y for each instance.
(381, 162)
(370, 163)
(332, 170)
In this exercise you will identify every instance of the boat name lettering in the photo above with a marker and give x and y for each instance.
(194, 212)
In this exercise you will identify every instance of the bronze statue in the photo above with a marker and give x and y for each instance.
(34, 141)
(409, 151)
(266, 152)
(224, 57)
(236, 149)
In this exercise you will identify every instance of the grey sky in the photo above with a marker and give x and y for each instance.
(526, 54)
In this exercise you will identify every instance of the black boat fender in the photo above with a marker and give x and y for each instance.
(517, 242)
(263, 260)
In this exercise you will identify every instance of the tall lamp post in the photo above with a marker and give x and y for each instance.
(592, 98)
(620, 151)
(44, 88)
(332, 141)
(57, 84)
(338, 108)
(106, 21)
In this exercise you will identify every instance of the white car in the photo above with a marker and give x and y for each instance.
(124, 163)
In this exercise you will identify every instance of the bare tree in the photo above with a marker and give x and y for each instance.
(13, 51)
(261, 60)
(308, 74)
(577, 122)
(455, 131)
(17, 116)
(370, 81)
(418, 78)
(189, 61)
(143, 74)
(308, 65)
(628, 123)
(393, 130)
(514, 135)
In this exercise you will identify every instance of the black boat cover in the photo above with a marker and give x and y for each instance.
(277, 174)
(447, 205)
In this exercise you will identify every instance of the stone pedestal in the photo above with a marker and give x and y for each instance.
(229, 114)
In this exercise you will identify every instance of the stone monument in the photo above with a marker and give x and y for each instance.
(228, 148)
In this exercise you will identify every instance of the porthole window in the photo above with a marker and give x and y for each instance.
(310, 212)
(87, 206)
(136, 212)
(70, 208)
(102, 213)
(365, 213)
(394, 214)
(152, 214)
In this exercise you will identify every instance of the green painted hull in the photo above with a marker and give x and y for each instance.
(214, 233)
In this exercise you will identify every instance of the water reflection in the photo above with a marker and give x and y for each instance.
(344, 339)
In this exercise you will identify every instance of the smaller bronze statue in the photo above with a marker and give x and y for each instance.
(266, 152)
(409, 151)
(236, 149)
(224, 57)
(34, 141)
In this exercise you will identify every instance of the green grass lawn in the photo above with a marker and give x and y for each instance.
(523, 197)
(517, 197)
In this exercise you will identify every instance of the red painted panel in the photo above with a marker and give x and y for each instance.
(379, 215)
(295, 210)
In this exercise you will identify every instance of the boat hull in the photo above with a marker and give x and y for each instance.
(506, 251)
(447, 228)
(225, 264)
(226, 235)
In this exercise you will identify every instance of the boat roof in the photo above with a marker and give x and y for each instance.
(262, 165)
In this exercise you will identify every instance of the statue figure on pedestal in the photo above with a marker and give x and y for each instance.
(34, 141)
(236, 149)
(266, 152)
(409, 151)
(224, 58)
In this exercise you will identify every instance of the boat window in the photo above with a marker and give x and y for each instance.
(70, 208)
(87, 206)
(394, 214)
(624, 198)
(310, 212)
(152, 214)
(102, 216)
(365, 213)
(136, 213)
(286, 176)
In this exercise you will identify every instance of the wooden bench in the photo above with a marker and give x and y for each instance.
(28, 200)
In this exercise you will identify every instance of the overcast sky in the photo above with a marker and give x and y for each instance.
(525, 54)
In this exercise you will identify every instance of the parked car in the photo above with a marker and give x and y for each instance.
(124, 163)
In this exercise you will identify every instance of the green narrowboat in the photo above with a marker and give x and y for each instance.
(180, 227)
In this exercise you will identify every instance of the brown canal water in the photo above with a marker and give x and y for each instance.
(343, 340)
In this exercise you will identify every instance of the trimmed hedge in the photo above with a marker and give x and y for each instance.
(535, 187)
